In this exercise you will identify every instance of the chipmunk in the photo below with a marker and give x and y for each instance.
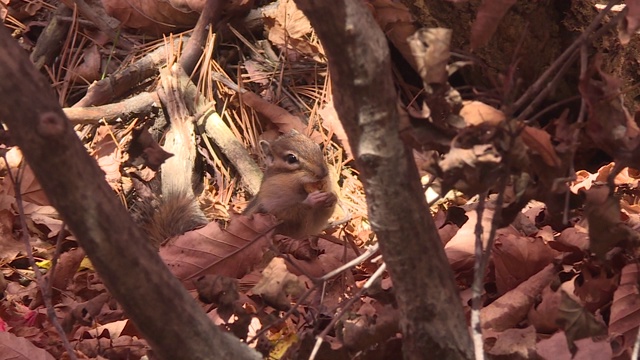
(296, 187)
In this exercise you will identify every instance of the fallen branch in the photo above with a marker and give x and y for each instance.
(142, 103)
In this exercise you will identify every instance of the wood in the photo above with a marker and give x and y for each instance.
(432, 320)
(173, 324)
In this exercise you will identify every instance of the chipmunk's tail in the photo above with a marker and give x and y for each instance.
(178, 210)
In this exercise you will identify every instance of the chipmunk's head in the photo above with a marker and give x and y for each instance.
(297, 154)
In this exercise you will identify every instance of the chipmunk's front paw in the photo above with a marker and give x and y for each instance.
(320, 199)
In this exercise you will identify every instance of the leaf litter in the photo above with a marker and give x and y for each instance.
(553, 291)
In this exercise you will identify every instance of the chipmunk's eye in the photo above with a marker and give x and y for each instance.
(291, 159)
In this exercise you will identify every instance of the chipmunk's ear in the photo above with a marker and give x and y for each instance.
(266, 150)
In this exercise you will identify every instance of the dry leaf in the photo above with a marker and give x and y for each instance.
(508, 310)
(539, 141)
(625, 310)
(397, 22)
(555, 348)
(513, 343)
(543, 316)
(430, 49)
(18, 348)
(516, 258)
(332, 123)
(609, 124)
(210, 250)
(487, 20)
(29, 187)
(151, 16)
(476, 113)
(109, 156)
(574, 237)
(576, 321)
(88, 70)
(278, 285)
(631, 22)
(289, 29)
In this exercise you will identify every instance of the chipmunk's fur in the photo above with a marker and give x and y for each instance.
(178, 210)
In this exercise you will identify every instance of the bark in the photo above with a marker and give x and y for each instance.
(433, 323)
(156, 302)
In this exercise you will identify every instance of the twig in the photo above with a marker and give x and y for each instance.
(45, 288)
(367, 254)
(476, 287)
(548, 87)
(482, 257)
(636, 346)
(553, 107)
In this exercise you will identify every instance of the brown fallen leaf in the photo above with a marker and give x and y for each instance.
(625, 310)
(543, 316)
(151, 17)
(289, 28)
(88, 70)
(430, 49)
(487, 20)
(19, 348)
(232, 252)
(477, 112)
(512, 343)
(539, 141)
(398, 23)
(606, 229)
(516, 258)
(508, 310)
(576, 321)
(595, 286)
(574, 237)
(29, 187)
(555, 348)
(631, 22)
(109, 156)
(278, 285)
(332, 123)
